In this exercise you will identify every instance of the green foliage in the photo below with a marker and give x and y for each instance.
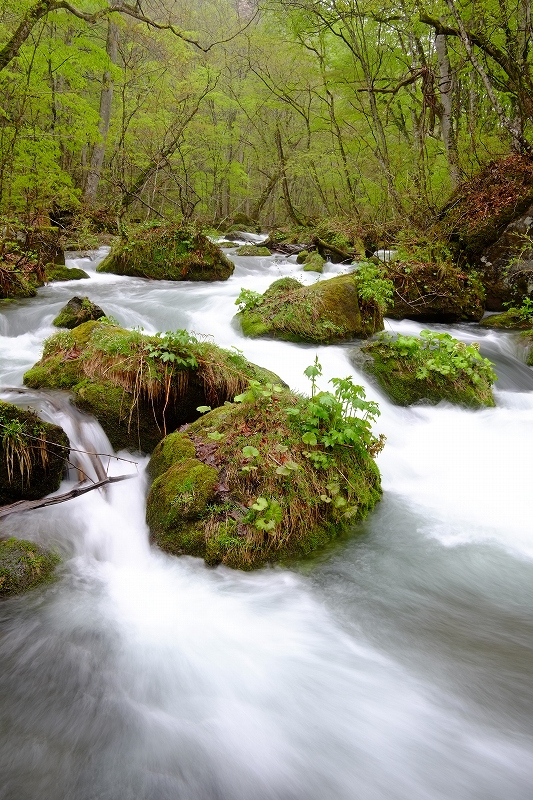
(524, 312)
(412, 246)
(372, 286)
(339, 418)
(248, 300)
(173, 347)
(441, 353)
(432, 367)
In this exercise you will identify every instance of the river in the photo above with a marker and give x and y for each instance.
(396, 665)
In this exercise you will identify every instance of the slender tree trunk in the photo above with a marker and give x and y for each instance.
(446, 111)
(106, 101)
(284, 182)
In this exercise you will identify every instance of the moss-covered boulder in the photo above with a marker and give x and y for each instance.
(428, 368)
(248, 483)
(487, 219)
(326, 312)
(24, 566)
(33, 455)
(59, 273)
(314, 263)
(170, 253)
(431, 292)
(252, 250)
(514, 319)
(77, 311)
(140, 387)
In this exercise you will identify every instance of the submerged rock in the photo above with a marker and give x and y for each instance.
(24, 566)
(77, 311)
(429, 368)
(167, 252)
(326, 312)
(140, 387)
(241, 487)
(33, 455)
(434, 293)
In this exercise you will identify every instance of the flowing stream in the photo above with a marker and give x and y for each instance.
(397, 665)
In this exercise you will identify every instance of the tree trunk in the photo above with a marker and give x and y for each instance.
(446, 116)
(284, 182)
(106, 100)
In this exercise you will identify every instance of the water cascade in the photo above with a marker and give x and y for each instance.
(397, 665)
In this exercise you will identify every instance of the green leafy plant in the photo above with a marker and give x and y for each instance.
(373, 287)
(248, 299)
(441, 353)
(339, 418)
(524, 312)
(264, 514)
(173, 347)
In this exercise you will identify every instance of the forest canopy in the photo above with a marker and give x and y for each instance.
(290, 110)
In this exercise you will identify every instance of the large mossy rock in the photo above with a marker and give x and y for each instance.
(239, 486)
(140, 387)
(252, 250)
(326, 312)
(313, 262)
(168, 253)
(429, 368)
(59, 273)
(511, 320)
(77, 311)
(33, 455)
(486, 219)
(431, 292)
(24, 566)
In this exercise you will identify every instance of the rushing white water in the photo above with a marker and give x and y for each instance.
(396, 665)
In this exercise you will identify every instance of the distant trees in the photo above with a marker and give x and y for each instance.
(302, 109)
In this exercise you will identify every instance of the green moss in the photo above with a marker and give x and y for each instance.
(77, 311)
(301, 256)
(168, 252)
(174, 447)
(178, 498)
(24, 566)
(59, 273)
(214, 512)
(314, 263)
(512, 319)
(407, 375)
(252, 250)
(120, 378)
(326, 312)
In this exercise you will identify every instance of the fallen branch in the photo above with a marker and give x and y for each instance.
(28, 505)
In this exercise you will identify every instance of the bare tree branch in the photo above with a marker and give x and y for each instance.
(29, 505)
